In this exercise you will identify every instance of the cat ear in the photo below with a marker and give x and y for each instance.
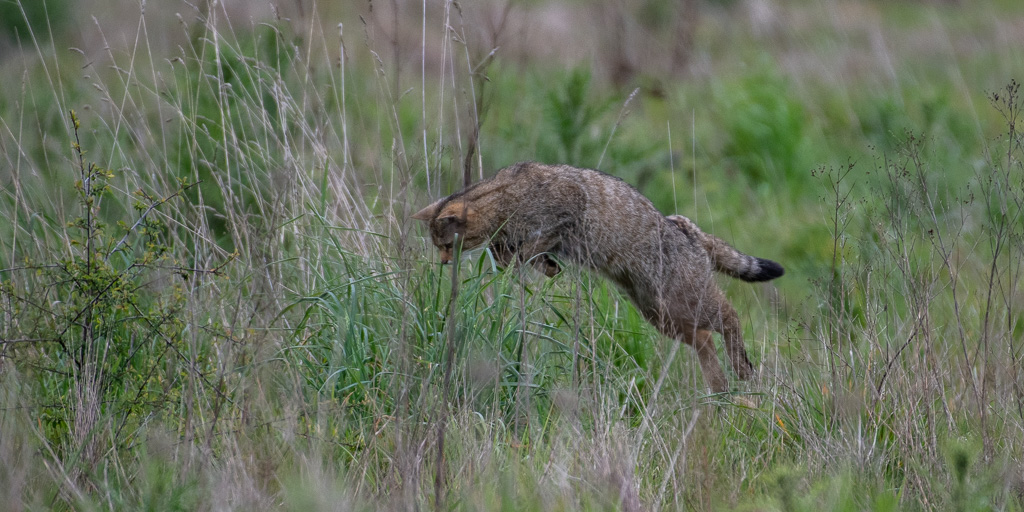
(428, 213)
(457, 212)
(456, 215)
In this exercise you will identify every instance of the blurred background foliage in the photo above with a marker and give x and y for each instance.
(212, 295)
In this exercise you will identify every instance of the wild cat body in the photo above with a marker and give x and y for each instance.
(530, 212)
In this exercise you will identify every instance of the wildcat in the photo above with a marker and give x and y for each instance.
(546, 215)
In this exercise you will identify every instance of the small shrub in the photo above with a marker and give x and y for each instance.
(766, 129)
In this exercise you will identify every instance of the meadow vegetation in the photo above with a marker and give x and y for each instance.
(212, 296)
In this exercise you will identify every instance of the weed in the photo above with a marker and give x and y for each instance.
(234, 311)
(112, 330)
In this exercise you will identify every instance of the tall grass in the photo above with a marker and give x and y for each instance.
(212, 296)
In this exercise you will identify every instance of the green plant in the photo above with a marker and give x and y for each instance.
(318, 370)
(572, 116)
(766, 129)
(113, 324)
(39, 19)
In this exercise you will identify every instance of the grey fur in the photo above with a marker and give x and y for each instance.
(544, 214)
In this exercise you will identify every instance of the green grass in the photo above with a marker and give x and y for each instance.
(212, 295)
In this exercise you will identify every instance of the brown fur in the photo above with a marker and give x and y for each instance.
(727, 259)
(536, 213)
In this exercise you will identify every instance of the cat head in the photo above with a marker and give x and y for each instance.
(453, 222)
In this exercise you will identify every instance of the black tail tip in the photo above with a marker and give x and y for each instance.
(767, 270)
